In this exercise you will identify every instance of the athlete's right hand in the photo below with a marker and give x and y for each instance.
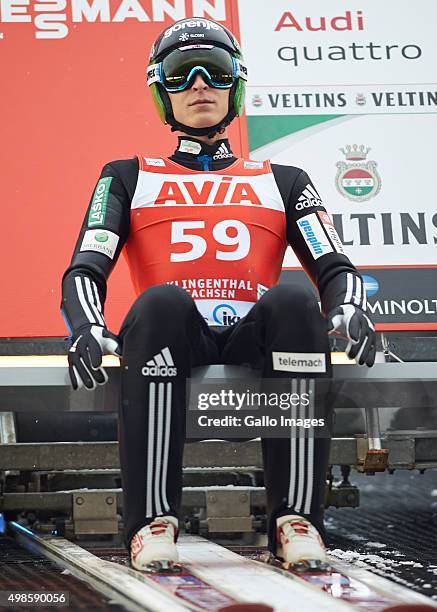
(85, 356)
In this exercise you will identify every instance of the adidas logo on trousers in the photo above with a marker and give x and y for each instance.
(161, 365)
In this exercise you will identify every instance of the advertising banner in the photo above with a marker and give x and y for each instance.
(74, 96)
(347, 91)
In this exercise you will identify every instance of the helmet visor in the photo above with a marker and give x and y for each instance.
(180, 67)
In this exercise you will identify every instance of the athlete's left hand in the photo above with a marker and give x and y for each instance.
(353, 324)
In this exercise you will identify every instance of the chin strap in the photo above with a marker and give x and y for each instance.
(209, 131)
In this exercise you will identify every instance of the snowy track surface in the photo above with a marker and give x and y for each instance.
(394, 531)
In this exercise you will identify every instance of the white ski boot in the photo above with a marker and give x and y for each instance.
(299, 544)
(153, 547)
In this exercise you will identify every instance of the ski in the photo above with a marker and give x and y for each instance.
(354, 586)
(196, 594)
(177, 588)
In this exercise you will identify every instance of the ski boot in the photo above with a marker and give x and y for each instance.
(153, 547)
(299, 545)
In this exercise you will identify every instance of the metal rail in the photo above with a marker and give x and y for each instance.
(39, 375)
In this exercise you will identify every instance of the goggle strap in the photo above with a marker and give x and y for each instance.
(153, 74)
(240, 68)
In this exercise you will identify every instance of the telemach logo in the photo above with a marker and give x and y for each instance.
(299, 362)
(227, 191)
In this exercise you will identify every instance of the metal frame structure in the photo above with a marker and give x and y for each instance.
(24, 467)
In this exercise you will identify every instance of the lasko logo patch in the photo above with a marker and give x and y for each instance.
(299, 362)
(211, 192)
(309, 197)
(102, 241)
(162, 364)
(312, 231)
(331, 231)
(97, 212)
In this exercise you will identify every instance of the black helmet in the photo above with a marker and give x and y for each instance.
(197, 34)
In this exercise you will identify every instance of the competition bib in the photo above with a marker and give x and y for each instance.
(219, 235)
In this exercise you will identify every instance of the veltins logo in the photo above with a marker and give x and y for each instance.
(359, 180)
(225, 314)
(371, 285)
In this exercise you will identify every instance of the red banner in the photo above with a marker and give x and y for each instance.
(74, 96)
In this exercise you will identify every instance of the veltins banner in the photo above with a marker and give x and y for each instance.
(347, 90)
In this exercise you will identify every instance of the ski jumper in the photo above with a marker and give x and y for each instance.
(204, 235)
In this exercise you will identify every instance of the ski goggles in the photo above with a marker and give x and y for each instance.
(179, 68)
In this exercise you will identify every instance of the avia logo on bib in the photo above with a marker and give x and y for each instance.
(211, 192)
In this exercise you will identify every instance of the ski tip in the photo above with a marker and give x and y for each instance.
(247, 607)
(409, 608)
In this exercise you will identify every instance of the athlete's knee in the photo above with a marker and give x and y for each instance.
(163, 304)
(288, 300)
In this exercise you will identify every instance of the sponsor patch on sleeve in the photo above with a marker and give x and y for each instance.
(331, 231)
(299, 362)
(97, 212)
(101, 241)
(312, 230)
